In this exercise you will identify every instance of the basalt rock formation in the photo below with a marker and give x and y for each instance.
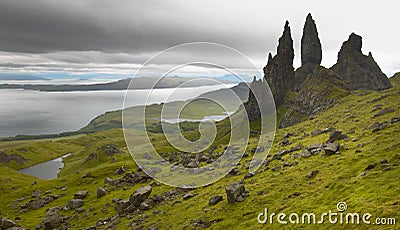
(279, 71)
(360, 72)
(312, 88)
(311, 52)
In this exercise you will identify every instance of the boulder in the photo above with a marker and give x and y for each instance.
(75, 203)
(100, 192)
(121, 170)
(5, 223)
(305, 154)
(140, 195)
(336, 135)
(53, 219)
(214, 200)
(122, 205)
(331, 148)
(144, 206)
(81, 194)
(235, 192)
(187, 196)
(312, 174)
(384, 111)
(36, 194)
(35, 204)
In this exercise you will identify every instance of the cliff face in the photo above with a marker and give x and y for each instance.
(358, 70)
(279, 72)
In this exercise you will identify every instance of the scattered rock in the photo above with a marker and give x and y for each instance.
(91, 157)
(35, 204)
(370, 167)
(188, 196)
(316, 132)
(377, 126)
(285, 142)
(331, 148)
(384, 111)
(87, 175)
(75, 203)
(122, 205)
(276, 168)
(6, 224)
(144, 206)
(53, 219)
(81, 194)
(140, 195)
(384, 161)
(394, 120)
(387, 168)
(312, 174)
(248, 175)
(235, 192)
(110, 149)
(305, 154)
(36, 193)
(121, 170)
(336, 135)
(101, 192)
(214, 200)
(109, 181)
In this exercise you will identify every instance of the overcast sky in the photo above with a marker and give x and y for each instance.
(113, 38)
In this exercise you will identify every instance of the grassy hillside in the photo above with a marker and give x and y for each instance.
(283, 185)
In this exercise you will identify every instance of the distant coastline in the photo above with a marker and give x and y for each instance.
(139, 83)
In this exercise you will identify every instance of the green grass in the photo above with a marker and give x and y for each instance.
(338, 179)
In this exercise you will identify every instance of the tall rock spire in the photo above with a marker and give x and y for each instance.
(311, 52)
(279, 71)
(358, 70)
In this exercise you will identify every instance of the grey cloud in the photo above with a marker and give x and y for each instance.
(131, 31)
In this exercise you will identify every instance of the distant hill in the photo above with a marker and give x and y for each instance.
(138, 83)
(21, 78)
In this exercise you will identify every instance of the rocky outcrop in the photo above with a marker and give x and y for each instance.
(318, 92)
(360, 72)
(251, 106)
(6, 158)
(311, 51)
(279, 71)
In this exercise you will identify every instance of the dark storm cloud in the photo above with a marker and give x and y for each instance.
(44, 32)
(109, 26)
